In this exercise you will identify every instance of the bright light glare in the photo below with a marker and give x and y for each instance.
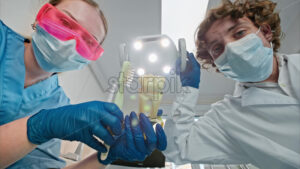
(165, 42)
(152, 57)
(141, 71)
(138, 45)
(167, 69)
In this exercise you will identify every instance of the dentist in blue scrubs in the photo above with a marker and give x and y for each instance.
(35, 113)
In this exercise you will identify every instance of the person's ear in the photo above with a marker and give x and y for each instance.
(34, 25)
(267, 32)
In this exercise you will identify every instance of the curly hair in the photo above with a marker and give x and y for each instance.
(260, 12)
(92, 3)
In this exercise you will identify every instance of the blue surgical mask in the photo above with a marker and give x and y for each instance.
(246, 60)
(54, 55)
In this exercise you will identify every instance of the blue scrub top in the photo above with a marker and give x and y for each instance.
(17, 102)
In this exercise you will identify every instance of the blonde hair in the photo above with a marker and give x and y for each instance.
(260, 12)
(94, 4)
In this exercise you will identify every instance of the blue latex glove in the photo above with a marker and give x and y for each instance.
(191, 75)
(131, 145)
(159, 112)
(77, 123)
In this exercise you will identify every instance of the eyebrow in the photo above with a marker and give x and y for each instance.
(230, 29)
(236, 25)
(70, 15)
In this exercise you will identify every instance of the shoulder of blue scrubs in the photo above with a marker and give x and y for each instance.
(1, 36)
(46, 94)
(17, 102)
(12, 72)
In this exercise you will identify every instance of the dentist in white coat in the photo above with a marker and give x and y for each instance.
(260, 123)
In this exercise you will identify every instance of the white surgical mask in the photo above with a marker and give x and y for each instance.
(246, 60)
(54, 55)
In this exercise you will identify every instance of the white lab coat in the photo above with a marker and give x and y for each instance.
(260, 124)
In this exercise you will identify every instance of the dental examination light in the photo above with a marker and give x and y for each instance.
(156, 55)
(153, 59)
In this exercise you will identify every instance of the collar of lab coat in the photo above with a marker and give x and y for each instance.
(258, 96)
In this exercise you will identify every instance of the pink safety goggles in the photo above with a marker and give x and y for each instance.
(65, 28)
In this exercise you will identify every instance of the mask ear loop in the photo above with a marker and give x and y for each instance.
(33, 26)
(271, 45)
(259, 31)
(273, 31)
